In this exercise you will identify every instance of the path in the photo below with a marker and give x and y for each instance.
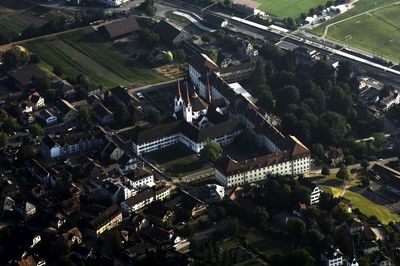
(357, 15)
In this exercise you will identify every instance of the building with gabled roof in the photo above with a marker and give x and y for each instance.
(106, 220)
(171, 34)
(120, 28)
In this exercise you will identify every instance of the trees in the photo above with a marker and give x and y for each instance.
(83, 80)
(258, 76)
(121, 113)
(333, 128)
(211, 151)
(148, 8)
(343, 173)
(84, 113)
(13, 58)
(364, 164)
(42, 84)
(150, 37)
(153, 115)
(325, 170)
(179, 56)
(300, 257)
(287, 95)
(36, 129)
(3, 139)
(26, 152)
(296, 227)
(261, 215)
(57, 70)
(10, 124)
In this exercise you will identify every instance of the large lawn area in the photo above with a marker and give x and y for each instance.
(376, 31)
(178, 160)
(288, 8)
(366, 206)
(87, 52)
(264, 243)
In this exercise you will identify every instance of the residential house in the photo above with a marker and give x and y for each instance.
(171, 34)
(71, 237)
(355, 225)
(370, 247)
(45, 176)
(212, 193)
(106, 220)
(8, 204)
(126, 163)
(66, 111)
(92, 90)
(135, 251)
(138, 201)
(33, 103)
(247, 49)
(382, 260)
(116, 191)
(47, 116)
(70, 206)
(331, 256)
(64, 89)
(158, 213)
(112, 152)
(103, 114)
(162, 237)
(23, 77)
(139, 222)
(139, 178)
(28, 210)
(189, 205)
(158, 57)
(163, 190)
(120, 28)
(385, 103)
(86, 141)
(113, 3)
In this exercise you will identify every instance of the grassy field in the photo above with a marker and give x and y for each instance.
(87, 52)
(177, 160)
(288, 8)
(264, 243)
(377, 31)
(365, 206)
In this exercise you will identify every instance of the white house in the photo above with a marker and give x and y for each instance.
(139, 178)
(332, 257)
(138, 201)
(113, 3)
(315, 195)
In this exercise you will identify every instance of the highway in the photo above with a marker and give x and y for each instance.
(362, 62)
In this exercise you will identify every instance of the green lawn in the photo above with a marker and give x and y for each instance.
(178, 160)
(288, 8)
(377, 32)
(87, 52)
(366, 206)
(264, 243)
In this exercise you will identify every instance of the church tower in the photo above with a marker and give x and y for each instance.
(187, 110)
(178, 101)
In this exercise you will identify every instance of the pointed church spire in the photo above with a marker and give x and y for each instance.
(178, 93)
(209, 89)
(187, 92)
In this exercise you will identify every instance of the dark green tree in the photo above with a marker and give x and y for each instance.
(85, 113)
(153, 115)
(211, 151)
(3, 139)
(343, 173)
(10, 124)
(325, 171)
(14, 58)
(36, 129)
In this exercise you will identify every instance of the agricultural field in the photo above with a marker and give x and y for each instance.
(16, 16)
(87, 52)
(376, 31)
(288, 8)
(365, 206)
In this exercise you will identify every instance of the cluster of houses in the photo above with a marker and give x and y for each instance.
(377, 97)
